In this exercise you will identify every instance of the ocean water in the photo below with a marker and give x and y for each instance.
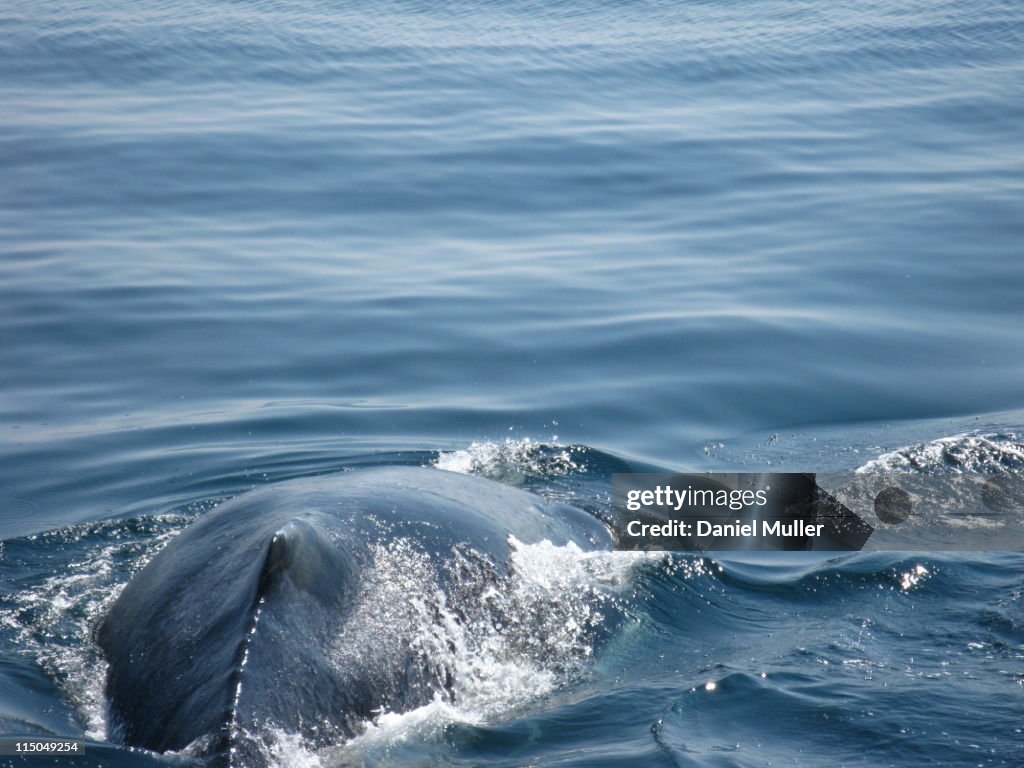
(243, 241)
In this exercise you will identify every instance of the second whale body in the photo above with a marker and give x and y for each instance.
(265, 612)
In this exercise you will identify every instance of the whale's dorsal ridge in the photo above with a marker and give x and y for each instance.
(301, 552)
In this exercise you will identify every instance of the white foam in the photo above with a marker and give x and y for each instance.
(391, 729)
(510, 460)
(955, 454)
(288, 750)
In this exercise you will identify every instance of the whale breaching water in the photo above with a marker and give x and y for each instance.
(266, 613)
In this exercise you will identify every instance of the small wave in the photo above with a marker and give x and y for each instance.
(959, 453)
(512, 461)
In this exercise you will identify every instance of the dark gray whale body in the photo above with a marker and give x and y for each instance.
(235, 625)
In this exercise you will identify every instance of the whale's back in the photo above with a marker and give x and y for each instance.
(236, 623)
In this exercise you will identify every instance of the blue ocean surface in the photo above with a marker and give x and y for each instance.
(245, 241)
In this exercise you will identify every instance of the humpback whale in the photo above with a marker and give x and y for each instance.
(261, 613)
